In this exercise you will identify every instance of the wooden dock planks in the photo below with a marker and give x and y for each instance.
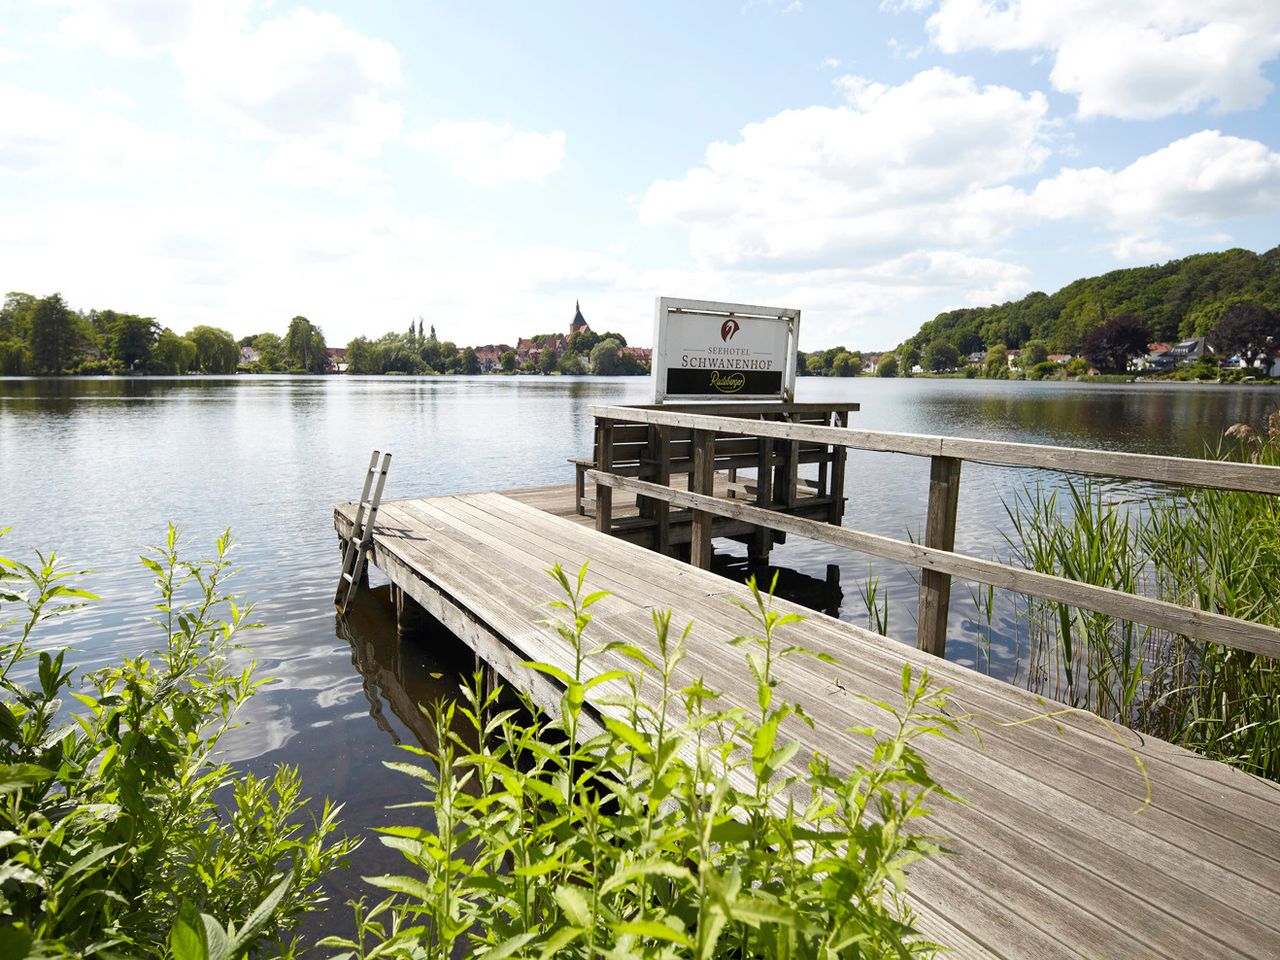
(1050, 859)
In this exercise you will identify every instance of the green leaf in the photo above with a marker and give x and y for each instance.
(186, 936)
(558, 941)
(509, 946)
(19, 776)
(755, 911)
(628, 735)
(574, 904)
(409, 886)
(549, 670)
(654, 930)
(14, 943)
(647, 868)
(262, 915)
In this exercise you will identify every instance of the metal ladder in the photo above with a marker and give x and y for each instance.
(357, 550)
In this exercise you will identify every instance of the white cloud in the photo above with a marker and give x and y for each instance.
(1131, 60)
(136, 28)
(42, 134)
(1198, 179)
(314, 166)
(898, 168)
(490, 155)
(301, 76)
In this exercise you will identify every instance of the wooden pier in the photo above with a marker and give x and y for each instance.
(1050, 859)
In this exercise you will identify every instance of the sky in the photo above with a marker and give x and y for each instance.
(484, 165)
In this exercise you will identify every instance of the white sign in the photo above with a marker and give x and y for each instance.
(717, 351)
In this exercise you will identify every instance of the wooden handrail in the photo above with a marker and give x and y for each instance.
(1215, 474)
(1185, 621)
(935, 556)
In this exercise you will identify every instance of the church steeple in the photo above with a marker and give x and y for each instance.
(579, 321)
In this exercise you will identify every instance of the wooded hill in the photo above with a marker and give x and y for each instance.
(1178, 299)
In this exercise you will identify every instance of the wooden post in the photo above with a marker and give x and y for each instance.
(604, 463)
(662, 475)
(702, 480)
(939, 532)
(412, 621)
(762, 539)
(839, 455)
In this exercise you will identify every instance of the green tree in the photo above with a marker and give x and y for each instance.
(844, 365)
(364, 357)
(15, 316)
(508, 361)
(172, 354)
(304, 346)
(605, 358)
(996, 363)
(617, 338)
(15, 358)
(216, 350)
(270, 350)
(547, 360)
(1110, 346)
(888, 366)
(53, 336)
(941, 355)
(908, 358)
(130, 339)
(470, 361)
(570, 364)
(1247, 329)
(1034, 353)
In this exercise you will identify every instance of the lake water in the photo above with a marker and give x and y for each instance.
(96, 467)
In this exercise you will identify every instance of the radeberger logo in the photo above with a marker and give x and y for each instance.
(727, 382)
(728, 329)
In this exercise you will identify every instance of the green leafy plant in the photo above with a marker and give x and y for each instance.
(122, 832)
(650, 819)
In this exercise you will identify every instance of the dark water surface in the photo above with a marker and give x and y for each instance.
(96, 467)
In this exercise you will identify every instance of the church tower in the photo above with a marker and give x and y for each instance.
(579, 324)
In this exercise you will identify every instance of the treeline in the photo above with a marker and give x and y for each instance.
(42, 336)
(418, 351)
(1170, 302)
(835, 362)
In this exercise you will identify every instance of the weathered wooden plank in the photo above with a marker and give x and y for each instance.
(1050, 862)
(940, 534)
(1224, 475)
(1185, 621)
(604, 462)
(702, 482)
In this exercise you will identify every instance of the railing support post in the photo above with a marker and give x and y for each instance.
(702, 480)
(604, 463)
(940, 533)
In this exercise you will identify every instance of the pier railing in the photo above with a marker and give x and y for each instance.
(711, 433)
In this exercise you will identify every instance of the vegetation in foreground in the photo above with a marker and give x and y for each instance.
(673, 832)
(122, 834)
(1212, 549)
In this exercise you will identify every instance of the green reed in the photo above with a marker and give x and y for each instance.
(1211, 549)
(668, 825)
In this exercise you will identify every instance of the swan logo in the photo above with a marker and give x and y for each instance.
(728, 329)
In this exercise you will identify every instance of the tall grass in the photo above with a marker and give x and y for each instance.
(1211, 549)
(679, 829)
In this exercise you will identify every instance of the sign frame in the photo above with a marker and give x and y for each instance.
(667, 309)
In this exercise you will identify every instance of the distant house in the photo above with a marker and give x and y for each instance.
(336, 359)
(976, 358)
(870, 361)
(1158, 357)
(1189, 351)
(249, 355)
(643, 354)
(1012, 358)
(490, 355)
(1061, 358)
(1272, 362)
